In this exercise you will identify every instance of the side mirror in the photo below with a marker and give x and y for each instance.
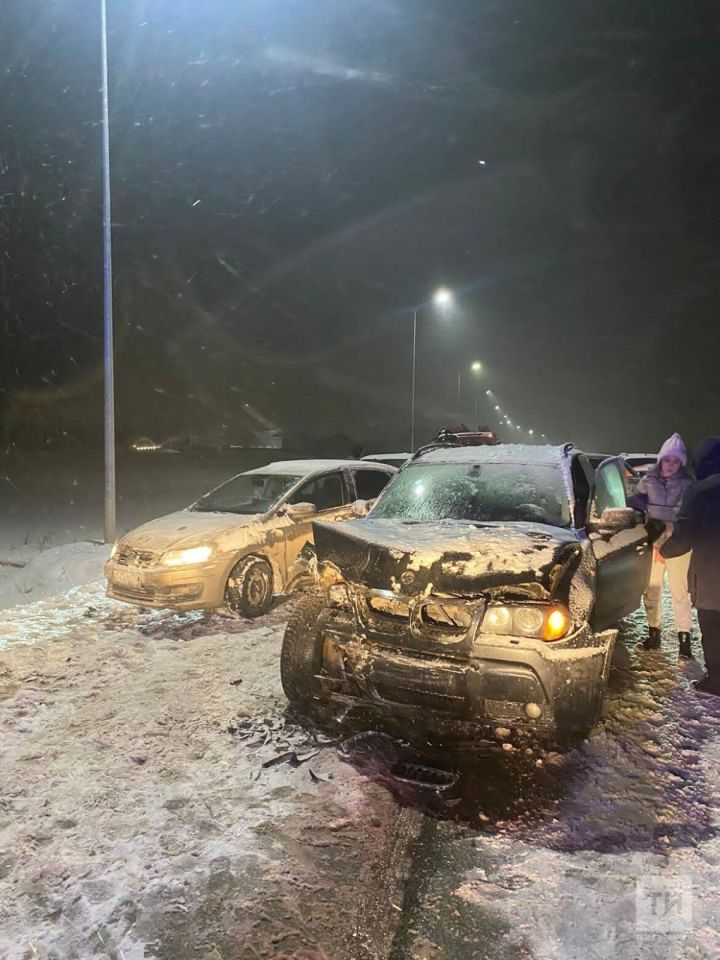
(613, 520)
(300, 511)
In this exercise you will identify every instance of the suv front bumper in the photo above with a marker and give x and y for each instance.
(545, 688)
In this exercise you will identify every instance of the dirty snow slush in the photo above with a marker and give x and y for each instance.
(158, 801)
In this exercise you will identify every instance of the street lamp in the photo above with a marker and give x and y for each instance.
(476, 368)
(442, 298)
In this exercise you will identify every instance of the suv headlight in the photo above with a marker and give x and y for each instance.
(541, 621)
(176, 558)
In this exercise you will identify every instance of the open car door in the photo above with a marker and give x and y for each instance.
(623, 553)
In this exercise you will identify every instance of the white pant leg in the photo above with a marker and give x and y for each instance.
(677, 568)
(653, 592)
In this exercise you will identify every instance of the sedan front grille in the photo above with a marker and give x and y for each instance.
(135, 593)
(127, 557)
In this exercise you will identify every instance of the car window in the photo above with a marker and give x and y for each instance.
(609, 488)
(370, 483)
(247, 493)
(502, 492)
(325, 491)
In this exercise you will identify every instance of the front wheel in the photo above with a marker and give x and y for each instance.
(302, 652)
(249, 589)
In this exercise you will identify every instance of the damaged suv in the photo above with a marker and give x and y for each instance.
(481, 589)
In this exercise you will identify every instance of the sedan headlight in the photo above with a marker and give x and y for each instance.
(177, 558)
(541, 621)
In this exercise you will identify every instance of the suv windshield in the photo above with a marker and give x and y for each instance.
(246, 493)
(477, 491)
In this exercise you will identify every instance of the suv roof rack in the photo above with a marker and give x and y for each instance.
(459, 438)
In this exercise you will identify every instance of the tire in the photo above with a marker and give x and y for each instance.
(302, 652)
(249, 589)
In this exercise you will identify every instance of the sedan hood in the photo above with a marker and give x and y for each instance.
(449, 557)
(186, 528)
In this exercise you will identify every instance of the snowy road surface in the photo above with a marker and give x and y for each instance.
(137, 819)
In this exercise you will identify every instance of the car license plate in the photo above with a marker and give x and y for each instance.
(131, 579)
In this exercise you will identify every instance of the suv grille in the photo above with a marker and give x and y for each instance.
(438, 617)
(390, 607)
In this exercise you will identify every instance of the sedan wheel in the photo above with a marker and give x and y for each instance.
(249, 590)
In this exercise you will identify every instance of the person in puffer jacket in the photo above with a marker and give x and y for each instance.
(698, 529)
(659, 494)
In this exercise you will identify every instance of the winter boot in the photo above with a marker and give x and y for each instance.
(685, 647)
(653, 639)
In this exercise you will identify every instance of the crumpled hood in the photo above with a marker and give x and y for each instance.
(452, 556)
(186, 528)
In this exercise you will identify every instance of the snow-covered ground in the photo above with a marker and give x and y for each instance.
(607, 851)
(36, 574)
(137, 819)
(136, 816)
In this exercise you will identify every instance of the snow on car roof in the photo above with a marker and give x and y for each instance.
(378, 456)
(301, 468)
(500, 453)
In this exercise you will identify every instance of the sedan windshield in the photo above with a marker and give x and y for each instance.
(246, 493)
(485, 492)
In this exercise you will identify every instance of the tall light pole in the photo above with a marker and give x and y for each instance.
(476, 368)
(441, 298)
(109, 378)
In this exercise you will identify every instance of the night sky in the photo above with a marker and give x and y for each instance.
(291, 177)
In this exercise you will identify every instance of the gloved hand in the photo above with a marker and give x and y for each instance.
(655, 529)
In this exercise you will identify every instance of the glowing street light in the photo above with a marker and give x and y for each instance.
(443, 299)
(476, 368)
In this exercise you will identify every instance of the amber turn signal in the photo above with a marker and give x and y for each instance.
(557, 625)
